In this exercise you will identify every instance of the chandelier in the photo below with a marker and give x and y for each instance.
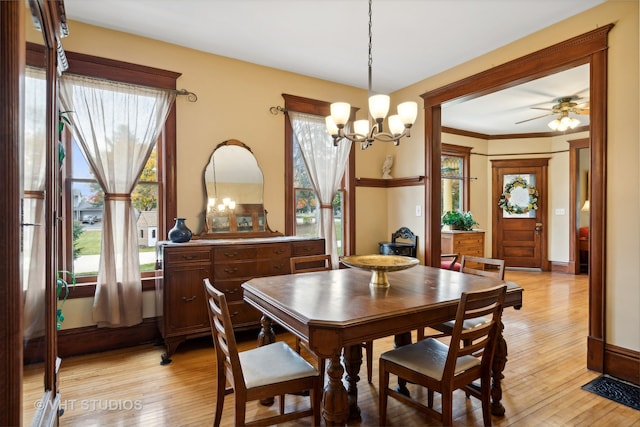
(363, 131)
(564, 122)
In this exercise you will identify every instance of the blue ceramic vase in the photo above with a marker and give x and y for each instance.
(180, 233)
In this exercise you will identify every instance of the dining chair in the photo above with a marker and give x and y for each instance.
(310, 263)
(259, 373)
(432, 364)
(480, 266)
(448, 262)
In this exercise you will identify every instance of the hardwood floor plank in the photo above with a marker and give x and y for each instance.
(544, 374)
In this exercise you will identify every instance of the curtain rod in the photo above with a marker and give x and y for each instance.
(191, 97)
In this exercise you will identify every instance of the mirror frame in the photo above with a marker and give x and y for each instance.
(255, 211)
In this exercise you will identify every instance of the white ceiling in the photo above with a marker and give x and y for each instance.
(328, 39)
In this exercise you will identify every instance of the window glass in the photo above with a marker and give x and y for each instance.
(307, 204)
(87, 208)
(452, 180)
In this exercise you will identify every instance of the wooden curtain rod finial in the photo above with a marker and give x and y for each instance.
(191, 97)
(276, 110)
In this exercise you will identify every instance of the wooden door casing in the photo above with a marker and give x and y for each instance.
(521, 242)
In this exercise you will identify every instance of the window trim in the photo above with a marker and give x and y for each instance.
(321, 108)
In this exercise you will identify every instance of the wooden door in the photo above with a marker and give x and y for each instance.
(519, 212)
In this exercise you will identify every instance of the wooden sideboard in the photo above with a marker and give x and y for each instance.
(180, 301)
(462, 243)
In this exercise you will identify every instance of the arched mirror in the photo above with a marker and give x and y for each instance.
(234, 185)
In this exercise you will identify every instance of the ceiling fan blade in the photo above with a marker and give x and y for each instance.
(540, 108)
(535, 118)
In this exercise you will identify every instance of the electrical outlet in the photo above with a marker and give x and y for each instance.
(559, 211)
(418, 210)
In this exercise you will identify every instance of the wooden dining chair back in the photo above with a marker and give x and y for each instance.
(480, 266)
(444, 368)
(257, 374)
(488, 267)
(310, 263)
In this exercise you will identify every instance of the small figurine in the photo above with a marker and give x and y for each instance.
(386, 167)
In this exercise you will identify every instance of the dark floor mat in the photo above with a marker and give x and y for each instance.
(613, 389)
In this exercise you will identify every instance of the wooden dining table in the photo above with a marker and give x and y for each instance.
(337, 310)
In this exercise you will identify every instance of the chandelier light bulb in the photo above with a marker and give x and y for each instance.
(340, 112)
(379, 106)
(396, 127)
(361, 127)
(408, 112)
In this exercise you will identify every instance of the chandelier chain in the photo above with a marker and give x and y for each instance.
(370, 45)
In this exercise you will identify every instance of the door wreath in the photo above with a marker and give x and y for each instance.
(506, 203)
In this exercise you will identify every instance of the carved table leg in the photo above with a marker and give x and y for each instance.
(266, 336)
(353, 362)
(499, 363)
(400, 340)
(335, 403)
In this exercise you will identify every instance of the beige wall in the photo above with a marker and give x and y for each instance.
(234, 100)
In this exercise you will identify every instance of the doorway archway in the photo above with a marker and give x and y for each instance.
(589, 48)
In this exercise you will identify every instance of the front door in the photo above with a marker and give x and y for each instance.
(519, 212)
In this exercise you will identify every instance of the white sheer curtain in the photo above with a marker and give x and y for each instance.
(325, 164)
(33, 181)
(116, 126)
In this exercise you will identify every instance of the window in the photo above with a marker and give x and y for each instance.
(307, 204)
(302, 205)
(83, 199)
(87, 202)
(454, 171)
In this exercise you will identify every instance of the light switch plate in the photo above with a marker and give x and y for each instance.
(418, 210)
(559, 211)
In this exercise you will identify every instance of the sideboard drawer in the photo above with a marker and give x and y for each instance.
(192, 255)
(274, 251)
(309, 247)
(235, 270)
(234, 253)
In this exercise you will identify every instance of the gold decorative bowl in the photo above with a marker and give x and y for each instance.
(379, 265)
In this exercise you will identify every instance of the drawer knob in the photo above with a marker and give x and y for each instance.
(278, 251)
(189, 299)
(278, 266)
(231, 291)
(231, 270)
(188, 257)
(231, 254)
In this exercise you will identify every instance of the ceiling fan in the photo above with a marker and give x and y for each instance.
(563, 107)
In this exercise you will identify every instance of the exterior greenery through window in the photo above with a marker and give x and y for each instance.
(307, 205)
(87, 204)
(454, 170)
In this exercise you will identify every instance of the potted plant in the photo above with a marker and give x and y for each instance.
(459, 220)
(62, 292)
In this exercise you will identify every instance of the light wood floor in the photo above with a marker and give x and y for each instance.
(542, 385)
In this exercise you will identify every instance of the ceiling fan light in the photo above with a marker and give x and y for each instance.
(340, 112)
(396, 126)
(408, 112)
(554, 124)
(361, 127)
(573, 123)
(379, 106)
